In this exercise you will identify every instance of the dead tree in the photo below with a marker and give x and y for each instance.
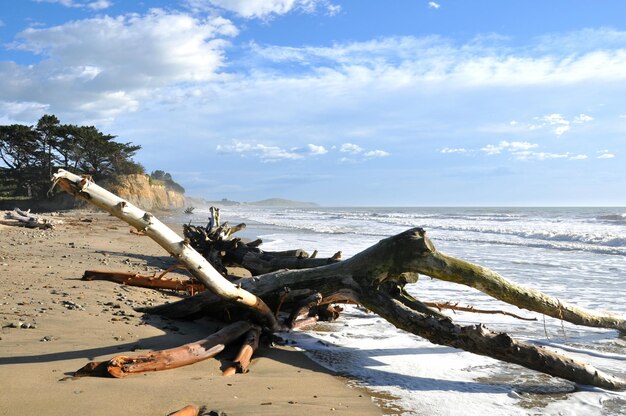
(374, 278)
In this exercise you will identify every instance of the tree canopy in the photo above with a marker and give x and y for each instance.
(166, 179)
(29, 155)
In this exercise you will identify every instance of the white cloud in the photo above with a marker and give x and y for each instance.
(582, 118)
(86, 62)
(522, 151)
(527, 155)
(553, 119)
(263, 152)
(517, 146)
(561, 129)
(433, 5)
(453, 150)
(358, 154)
(269, 153)
(351, 148)
(579, 157)
(317, 150)
(263, 9)
(558, 122)
(376, 153)
(22, 111)
(333, 9)
(492, 149)
(94, 5)
(410, 61)
(606, 155)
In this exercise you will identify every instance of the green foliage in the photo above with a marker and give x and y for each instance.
(29, 155)
(166, 179)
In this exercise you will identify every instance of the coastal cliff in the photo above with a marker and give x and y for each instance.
(147, 194)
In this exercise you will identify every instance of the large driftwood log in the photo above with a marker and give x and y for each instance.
(391, 264)
(375, 278)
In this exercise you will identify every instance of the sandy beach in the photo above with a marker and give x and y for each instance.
(53, 323)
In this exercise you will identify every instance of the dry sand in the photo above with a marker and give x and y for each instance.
(53, 323)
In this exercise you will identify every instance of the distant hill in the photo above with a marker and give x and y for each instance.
(285, 203)
(271, 202)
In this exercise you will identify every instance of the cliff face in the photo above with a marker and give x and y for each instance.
(138, 190)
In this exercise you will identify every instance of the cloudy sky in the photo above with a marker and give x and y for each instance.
(409, 102)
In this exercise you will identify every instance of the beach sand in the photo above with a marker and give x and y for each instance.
(73, 321)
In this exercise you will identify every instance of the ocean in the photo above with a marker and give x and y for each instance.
(575, 254)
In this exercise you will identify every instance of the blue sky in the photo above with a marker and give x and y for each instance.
(356, 102)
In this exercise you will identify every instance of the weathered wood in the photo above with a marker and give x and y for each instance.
(304, 305)
(198, 266)
(122, 366)
(153, 282)
(26, 219)
(189, 410)
(215, 245)
(479, 340)
(249, 346)
(376, 277)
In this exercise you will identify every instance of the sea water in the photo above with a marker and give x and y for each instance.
(575, 254)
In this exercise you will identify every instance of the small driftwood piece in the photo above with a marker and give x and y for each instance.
(152, 282)
(122, 366)
(189, 410)
(26, 219)
(241, 362)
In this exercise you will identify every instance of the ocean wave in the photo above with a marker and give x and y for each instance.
(584, 236)
(576, 236)
(586, 231)
(620, 251)
(613, 218)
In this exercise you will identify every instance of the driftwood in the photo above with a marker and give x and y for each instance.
(241, 362)
(153, 282)
(189, 410)
(375, 279)
(215, 244)
(20, 218)
(122, 366)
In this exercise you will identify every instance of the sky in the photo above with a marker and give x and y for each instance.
(343, 103)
